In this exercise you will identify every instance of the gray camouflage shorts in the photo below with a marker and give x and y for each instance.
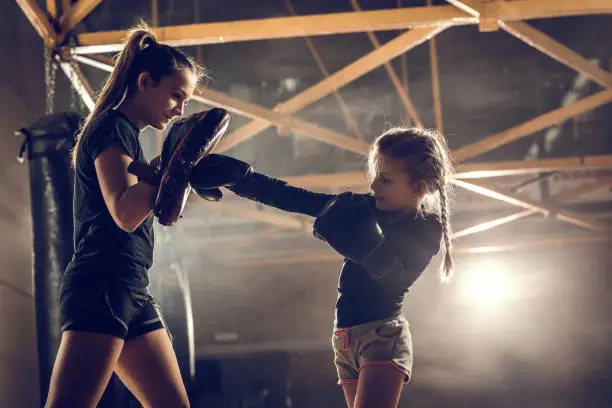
(382, 342)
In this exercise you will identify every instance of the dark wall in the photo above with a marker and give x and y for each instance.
(21, 101)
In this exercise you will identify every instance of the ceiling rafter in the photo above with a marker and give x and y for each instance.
(344, 76)
(341, 23)
(424, 22)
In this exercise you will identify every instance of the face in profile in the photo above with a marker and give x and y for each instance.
(165, 100)
(391, 185)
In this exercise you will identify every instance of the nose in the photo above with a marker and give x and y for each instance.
(179, 109)
(372, 184)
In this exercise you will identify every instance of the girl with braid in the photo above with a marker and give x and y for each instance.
(388, 237)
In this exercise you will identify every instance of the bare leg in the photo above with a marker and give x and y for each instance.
(379, 386)
(149, 369)
(83, 367)
(350, 391)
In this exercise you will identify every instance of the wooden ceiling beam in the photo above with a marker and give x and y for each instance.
(342, 23)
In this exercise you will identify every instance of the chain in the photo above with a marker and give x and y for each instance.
(74, 95)
(50, 74)
(73, 98)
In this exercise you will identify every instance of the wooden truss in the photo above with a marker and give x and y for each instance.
(422, 25)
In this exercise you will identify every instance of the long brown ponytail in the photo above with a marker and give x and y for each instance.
(141, 53)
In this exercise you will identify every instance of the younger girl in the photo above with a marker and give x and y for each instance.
(388, 238)
(109, 320)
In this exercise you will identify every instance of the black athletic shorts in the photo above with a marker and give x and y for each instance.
(99, 304)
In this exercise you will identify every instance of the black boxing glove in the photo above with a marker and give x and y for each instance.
(216, 170)
(348, 224)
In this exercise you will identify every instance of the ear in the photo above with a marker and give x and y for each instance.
(144, 81)
(420, 188)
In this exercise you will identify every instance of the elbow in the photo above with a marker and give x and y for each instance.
(126, 224)
(129, 228)
(125, 221)
(127, 215)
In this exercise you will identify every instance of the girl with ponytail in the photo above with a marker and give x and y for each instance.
(109, 321)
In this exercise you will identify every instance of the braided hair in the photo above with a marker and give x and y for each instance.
(426, 158)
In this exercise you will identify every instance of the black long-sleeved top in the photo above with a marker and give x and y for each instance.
(414, 238)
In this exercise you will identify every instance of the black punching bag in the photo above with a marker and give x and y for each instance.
(48, 142)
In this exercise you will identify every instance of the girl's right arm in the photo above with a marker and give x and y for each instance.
(277, 193)
(129, 202)
(239, 177)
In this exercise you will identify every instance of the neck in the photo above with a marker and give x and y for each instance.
(128, 108)
(408, 209)
(413, 206)
(403, 209)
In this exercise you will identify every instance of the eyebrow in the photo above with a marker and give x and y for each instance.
(183, 93)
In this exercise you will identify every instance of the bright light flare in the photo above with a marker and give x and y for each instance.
(487, 285)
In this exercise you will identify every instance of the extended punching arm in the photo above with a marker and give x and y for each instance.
(239, 177)
(277, 193)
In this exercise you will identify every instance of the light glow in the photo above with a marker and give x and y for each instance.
(487, 285)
